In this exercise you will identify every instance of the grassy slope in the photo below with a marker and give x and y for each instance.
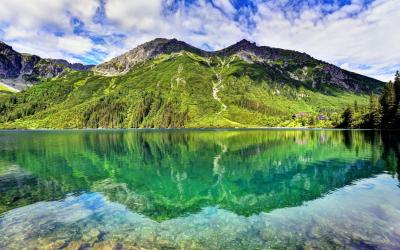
(171, 91)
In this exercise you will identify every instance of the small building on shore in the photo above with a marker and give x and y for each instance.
(322, 117)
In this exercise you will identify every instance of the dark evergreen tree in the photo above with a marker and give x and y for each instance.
(371, 102)
(387, 103)
(397, 118)
(396, 87)
(347, 118)
(373, 117)
(384, 113)
(356, 106)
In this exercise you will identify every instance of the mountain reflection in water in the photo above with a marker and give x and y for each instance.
(174, 177)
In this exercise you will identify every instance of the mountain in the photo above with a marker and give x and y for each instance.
(20, 70)
(150, 50)
(295, 65)
(169, 83)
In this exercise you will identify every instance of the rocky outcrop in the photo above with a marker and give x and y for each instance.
(74, 66)
(10, 62)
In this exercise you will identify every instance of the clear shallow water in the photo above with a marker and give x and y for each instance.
(232, 189)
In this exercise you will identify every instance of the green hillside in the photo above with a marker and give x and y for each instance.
(181, 90)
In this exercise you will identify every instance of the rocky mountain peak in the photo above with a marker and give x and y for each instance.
(141, 53)
(244, 44)
(158, 46)
(166, 46)
(4, 46)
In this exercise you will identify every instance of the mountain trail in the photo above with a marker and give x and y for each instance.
(178, 79)
(218, 84)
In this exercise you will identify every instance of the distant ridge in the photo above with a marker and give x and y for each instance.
(19, 70)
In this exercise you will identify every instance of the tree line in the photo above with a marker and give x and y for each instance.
(383, 111)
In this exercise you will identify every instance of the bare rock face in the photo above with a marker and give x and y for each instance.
(337, 75)
(74, 66)
(263, 52)
(21, 70)
(10, 62)
(146, 51)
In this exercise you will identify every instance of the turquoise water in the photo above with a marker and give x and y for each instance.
(199, 189)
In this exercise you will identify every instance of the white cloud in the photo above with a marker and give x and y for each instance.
(75, 44)
(30, 26)
(198, 24)
(204, 24)
(225, 5)
(37, 13)
(138, 15)
(352, 36)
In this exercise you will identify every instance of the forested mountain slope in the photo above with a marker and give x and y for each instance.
(168, 83)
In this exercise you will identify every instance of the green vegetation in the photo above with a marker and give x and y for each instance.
(182, 90)
(383, 112)
(242, 171)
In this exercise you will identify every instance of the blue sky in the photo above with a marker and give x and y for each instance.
(358, 35)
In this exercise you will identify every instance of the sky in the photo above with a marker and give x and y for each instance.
(358, 35)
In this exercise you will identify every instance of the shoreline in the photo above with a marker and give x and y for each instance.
(188, 129)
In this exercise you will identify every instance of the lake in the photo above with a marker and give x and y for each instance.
(199, 189)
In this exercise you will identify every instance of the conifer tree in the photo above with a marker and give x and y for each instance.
(347, 117)
(384, 113)
(373, 117)
(397, 119)
(387, 104)
(396, 87)
(355, 106)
